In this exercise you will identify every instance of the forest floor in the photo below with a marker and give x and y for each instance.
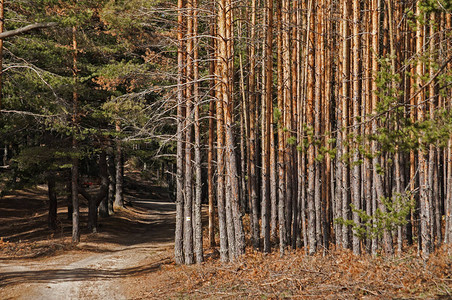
(131, 258)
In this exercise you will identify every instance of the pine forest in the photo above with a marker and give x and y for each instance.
(273, 131)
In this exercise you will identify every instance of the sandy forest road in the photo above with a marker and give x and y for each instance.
(134, 242)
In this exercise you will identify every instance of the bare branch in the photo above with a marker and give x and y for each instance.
(27, 28)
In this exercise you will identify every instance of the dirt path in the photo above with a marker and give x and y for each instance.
(134, 242)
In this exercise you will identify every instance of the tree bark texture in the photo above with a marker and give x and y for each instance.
(314, 144)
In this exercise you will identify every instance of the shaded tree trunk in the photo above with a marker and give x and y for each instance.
(94, 201)
(267, 149)
(111, 183)
(210, 150)
(2, 25)
(53, 202)
(75, 162)
(70, 208)
(119, 162)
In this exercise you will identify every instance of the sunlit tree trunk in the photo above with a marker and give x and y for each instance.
(221, 197)
(367, 111)
(178, 245)
(339, 122)
(287, 117)
(424, 201)
(345, 86)
(448, 197)
(188, 204)
(230, 144)
(197, 222)
(280, 125)
(266, 143)
(318, 104)
(295, 99)
(376, 180)
(356, 99)
(311, 224)
(432, 173)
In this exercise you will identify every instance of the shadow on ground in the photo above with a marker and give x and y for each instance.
(78, 274)
(148, 217)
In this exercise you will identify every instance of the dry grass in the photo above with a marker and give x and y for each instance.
(338, 275)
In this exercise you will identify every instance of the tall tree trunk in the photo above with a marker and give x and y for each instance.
(433, 166)
(252, 173)
(230, 144)
(340, 134)
(367, 111)
(188, 205)
(280, 125)
(266, 128)
(328, 188)
(74, 168)
(345, 122)
(424, 200)
(448, 197)
(197, 225)
(376, 178)
(287, 119)
(356, 98)
(225, 55)
(311, 227)
(318, 93)
(295, 54)
(303, 40)
(221, 196)
(210, 150)
(179, 238)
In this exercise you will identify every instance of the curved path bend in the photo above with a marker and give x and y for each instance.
(133, 242)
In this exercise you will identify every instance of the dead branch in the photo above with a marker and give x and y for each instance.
(27, 28)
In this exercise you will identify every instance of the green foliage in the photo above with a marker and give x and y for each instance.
(34, 165)
(117, 59)
(429, 6)
(395, 212)
(292, 140)
(128, 108)
(276, 115)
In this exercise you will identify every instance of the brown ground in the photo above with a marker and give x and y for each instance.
(36, 263)
(131, 258)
